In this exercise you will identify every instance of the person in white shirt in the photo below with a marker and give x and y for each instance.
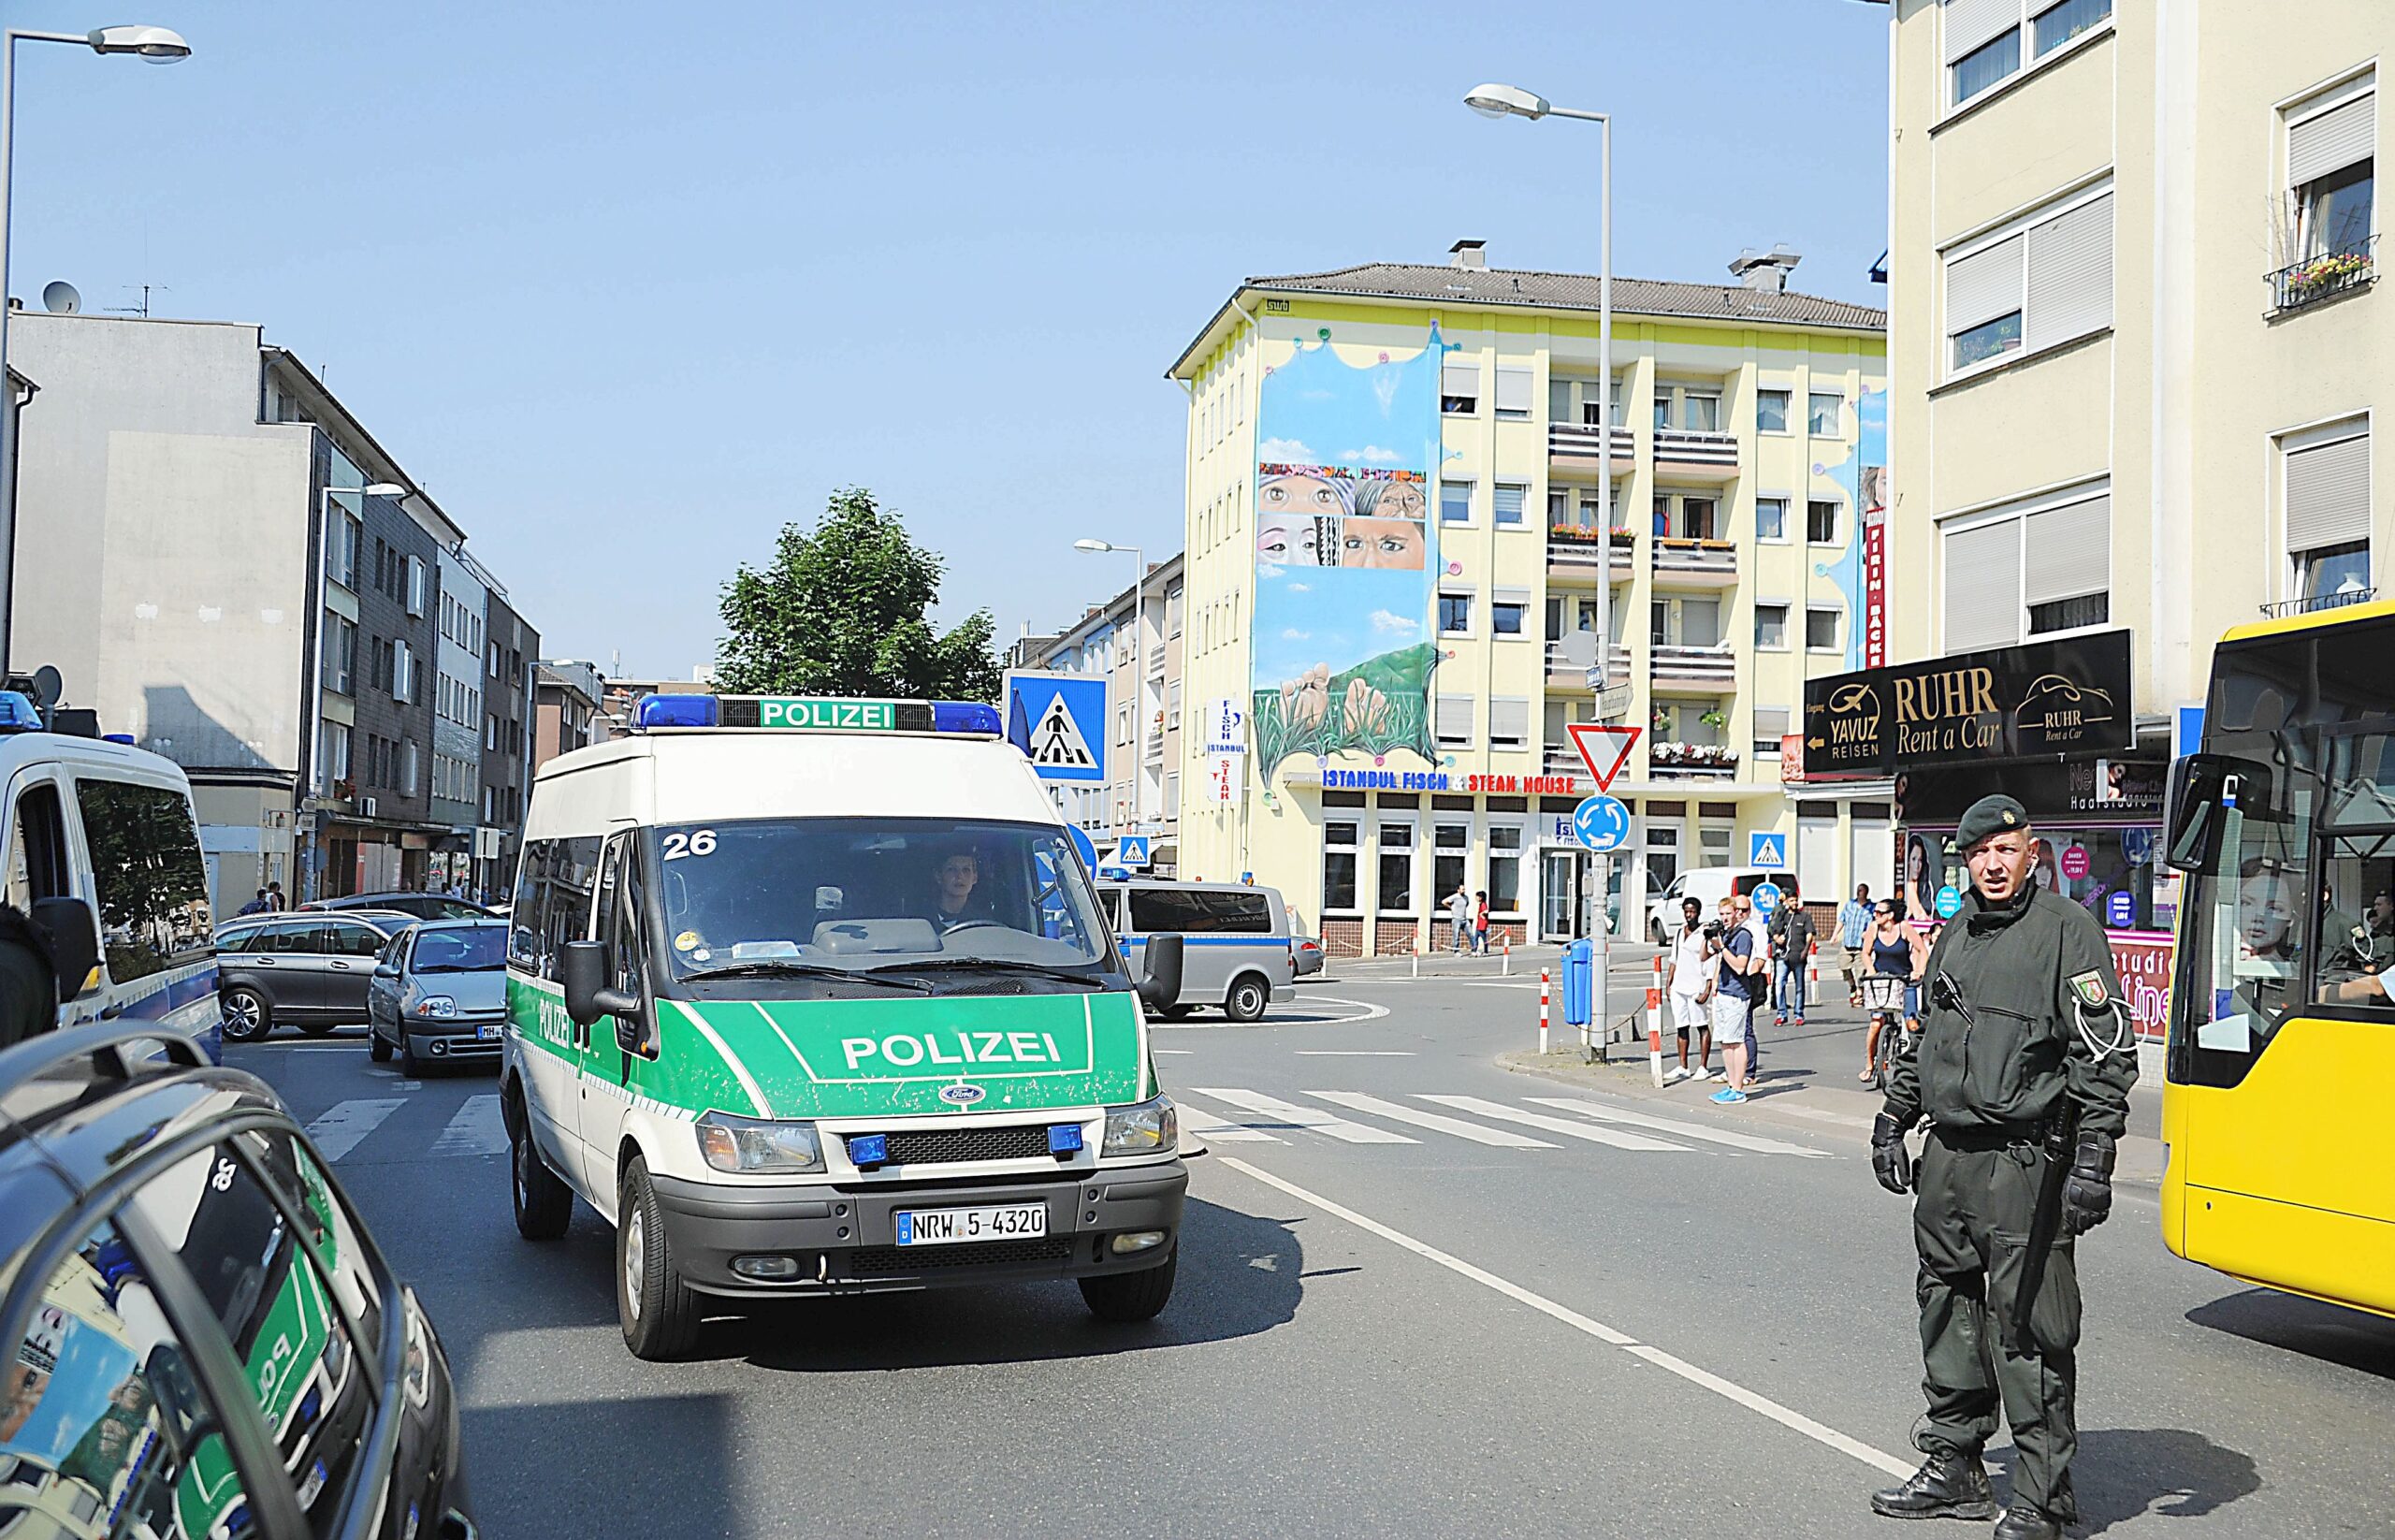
(1691, 982)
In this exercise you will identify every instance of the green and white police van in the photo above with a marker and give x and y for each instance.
(813, 996)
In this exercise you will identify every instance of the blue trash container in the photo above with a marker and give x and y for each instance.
(1579, 969)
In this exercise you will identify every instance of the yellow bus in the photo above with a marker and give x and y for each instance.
(2281, 1169)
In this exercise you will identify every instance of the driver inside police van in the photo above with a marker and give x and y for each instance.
(954, 880)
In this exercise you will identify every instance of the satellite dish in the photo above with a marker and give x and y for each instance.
(49, 684)
(1579, 648)
(59, 298)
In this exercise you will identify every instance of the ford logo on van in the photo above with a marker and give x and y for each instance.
(960, 1095)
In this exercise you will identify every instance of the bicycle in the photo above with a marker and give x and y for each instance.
(1883, 1001)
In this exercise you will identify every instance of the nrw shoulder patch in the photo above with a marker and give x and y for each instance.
(2089, 987)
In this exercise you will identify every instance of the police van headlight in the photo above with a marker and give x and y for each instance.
(745, 1144)
(1144, 1129)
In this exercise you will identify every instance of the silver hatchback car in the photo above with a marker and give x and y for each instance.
(439, 994)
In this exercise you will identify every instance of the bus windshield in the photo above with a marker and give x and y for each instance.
(879, 895)
(2298, 907)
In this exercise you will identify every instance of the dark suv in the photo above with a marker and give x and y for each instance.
(201, 1338)
(309, 970)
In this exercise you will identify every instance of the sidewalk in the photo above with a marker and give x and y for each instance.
(1625, 956)
(1807, 1079)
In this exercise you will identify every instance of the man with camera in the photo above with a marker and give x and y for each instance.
(2022, 1067)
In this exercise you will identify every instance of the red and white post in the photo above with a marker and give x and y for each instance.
(1506, 968)
(1546, 990)
(1655, 1023)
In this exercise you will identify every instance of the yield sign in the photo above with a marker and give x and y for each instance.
(1605, 749)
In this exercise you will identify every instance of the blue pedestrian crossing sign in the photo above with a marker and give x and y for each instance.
(1132, 852)
(1766, 898)
(1600, 824)
(1769, 851)
(1083, 846)
(1059, 722)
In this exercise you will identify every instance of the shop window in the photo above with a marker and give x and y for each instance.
(1506, 868)
(1450, 848)
(1339, 839)
(1396, 868)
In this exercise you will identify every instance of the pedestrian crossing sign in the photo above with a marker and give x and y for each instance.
(1059, 722)
(1769, 851)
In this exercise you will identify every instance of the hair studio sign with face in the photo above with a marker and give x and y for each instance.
(2045, 698)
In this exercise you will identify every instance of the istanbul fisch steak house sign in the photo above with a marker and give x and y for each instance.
(2063, 698)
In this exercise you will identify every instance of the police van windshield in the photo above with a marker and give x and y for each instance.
(756, 896)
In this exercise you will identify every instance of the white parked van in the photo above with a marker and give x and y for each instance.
(814, 996)
(1239, 953)
(103, 856)
(1708, 886)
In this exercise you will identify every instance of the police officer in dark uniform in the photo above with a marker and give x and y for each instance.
(2022, 1067)
(28, 979)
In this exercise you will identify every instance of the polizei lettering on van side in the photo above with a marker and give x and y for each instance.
(904, 1051)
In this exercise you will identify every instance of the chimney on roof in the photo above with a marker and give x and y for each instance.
(1468, 254)
(1766, 272)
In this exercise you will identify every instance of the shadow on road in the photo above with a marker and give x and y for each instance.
(2331, 1333)
(665, 1459)
(2166, 1473)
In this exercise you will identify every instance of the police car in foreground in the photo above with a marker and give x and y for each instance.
(813, 996)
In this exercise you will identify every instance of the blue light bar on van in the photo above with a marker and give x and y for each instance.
(675, 711)
(966, 717)
(18, 713)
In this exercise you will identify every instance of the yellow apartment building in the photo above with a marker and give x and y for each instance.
(1396, 537)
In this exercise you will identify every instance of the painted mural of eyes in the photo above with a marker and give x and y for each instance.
(1322, 497)
(1393, 544)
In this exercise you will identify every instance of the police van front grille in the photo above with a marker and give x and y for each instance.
(868, 1261)
(926, 1146)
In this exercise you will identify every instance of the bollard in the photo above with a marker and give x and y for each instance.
(1655, 1023)
(1417, 957)
(1544, 991)
(1505, 968)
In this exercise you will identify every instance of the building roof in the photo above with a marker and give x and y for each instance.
(1529, 289)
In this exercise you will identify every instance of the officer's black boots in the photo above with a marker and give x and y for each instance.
(1945, 1486)
(2024, 1522)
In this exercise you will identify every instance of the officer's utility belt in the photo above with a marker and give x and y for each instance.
(2001, 1136)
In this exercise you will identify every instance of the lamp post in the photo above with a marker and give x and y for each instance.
(314, 770)
(1493, 100)
(159, 46)
(1138, 665)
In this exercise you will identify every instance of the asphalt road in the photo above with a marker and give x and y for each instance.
(1540, 1306)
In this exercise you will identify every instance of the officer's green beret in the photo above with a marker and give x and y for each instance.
(1990, 816)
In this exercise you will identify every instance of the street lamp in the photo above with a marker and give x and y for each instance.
(159, 46)
(316, 671)
(1494, 100)
(1138, 664)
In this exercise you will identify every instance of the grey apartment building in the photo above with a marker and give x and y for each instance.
(222, 561)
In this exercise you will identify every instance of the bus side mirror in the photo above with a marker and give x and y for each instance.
(1160, 972)
(582, 969)
(74, 935)
(2203, 787)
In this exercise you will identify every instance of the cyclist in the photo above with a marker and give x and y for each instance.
(1897, 955)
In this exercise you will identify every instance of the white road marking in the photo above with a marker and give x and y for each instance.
(1197, 1120)
(1844, 1119)
(1354, 1052)
(1304, 1117)
(476, 1129)
(1795, 1422)
(1370, 1012)
(1556, 1124)
(1685, 1131)
(345, 1125)
(1172, 1050)
(1355, 1102)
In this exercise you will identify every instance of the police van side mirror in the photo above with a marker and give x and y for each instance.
(74, 934)
(582, 969)
(1160, 972)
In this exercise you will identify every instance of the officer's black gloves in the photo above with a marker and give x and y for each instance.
(2087, 1192)
(1892, 1163)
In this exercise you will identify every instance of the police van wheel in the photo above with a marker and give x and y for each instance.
(1247, 999)
(1126, 1297)
(659, 1314)
(247, 1017)
(542, 1202)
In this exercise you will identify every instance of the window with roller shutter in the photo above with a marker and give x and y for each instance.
(1460, 387)
(2332, 148)
(2038, 282)
(2039, 569)
(2325, 493)
(1509, 721)
(1451, 719)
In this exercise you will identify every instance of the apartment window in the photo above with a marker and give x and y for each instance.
(1559, 507)
(1684, 518)
(1450, 846)
(1451, 719)
(1339, 841)
(1507, 502)
(2043, 282)
(342, 535)
(1771, 627)
(1771, 410)
(407, 769)
(1771, 518)
(334, 750)
(1701, 411)
(1455, 614)
(416, 585)
(2330, 145)
(1455, 502)
(1172, 795)
(1821, 630)
(1396, 868)
(2032, 571)
(2327, 494)
(490, 735)
(1508, 612)
(1771, 725)
(1824, 414)
(2058, 24)
(1559, 400)
(403, 672)
(340, 655)
(1509, 721)
(1460, 387)
(1514, 388)
(1821, 523)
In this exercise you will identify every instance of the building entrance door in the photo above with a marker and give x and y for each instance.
(1559, 895)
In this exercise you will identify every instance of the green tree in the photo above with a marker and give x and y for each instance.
(840, 611)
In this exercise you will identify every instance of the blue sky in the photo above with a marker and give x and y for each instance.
(628, 287)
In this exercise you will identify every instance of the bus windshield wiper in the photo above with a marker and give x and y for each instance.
(928, 964)
(785, 967)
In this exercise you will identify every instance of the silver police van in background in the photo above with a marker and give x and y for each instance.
(1239, 951)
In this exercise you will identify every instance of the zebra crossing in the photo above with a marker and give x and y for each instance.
(475, 1128)
(1235, 1114)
